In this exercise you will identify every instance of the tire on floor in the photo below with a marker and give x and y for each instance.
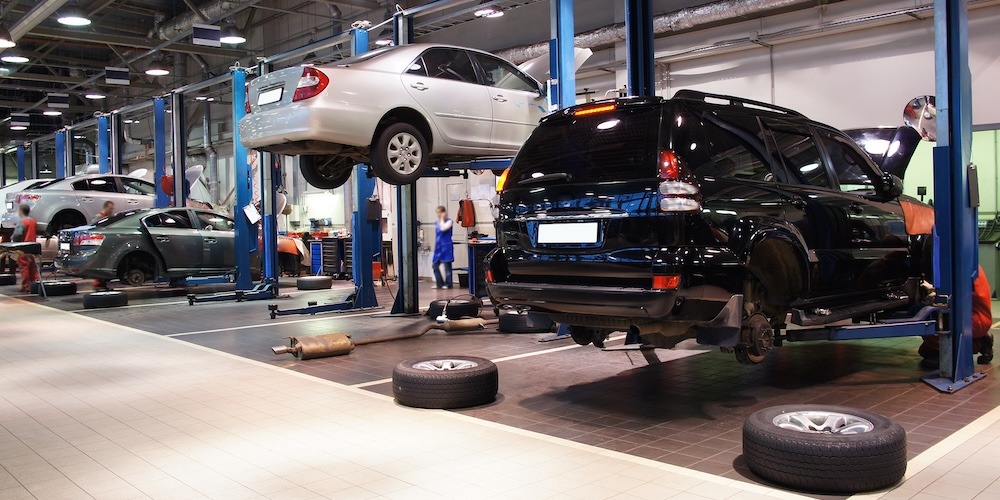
(525, 322)
(445, 382)
(111, 298)
(457, 308)
(54, 288)
(820, 448)
(314, 283)
(8, 279)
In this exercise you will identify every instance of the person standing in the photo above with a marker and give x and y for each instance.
(26, 230)
(106, 211)
(444, 252)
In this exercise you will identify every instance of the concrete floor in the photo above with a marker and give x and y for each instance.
(685, 411)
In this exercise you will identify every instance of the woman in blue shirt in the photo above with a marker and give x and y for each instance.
(444, 253)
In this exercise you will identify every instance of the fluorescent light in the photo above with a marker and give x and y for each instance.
(79, 137)
(52, 112)
(94, 94)
(18, 127)
(157, 68)
(383, 42)
(488, 10)
(73, 16)
(232, 35)
(13, 57)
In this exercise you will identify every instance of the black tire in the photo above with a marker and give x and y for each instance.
(326, 172)
(55, 288)
(8, 279)
(470, 381)
(457, 308)
(826, 462)
(400, 154)
(525, 322)
(314, 283)
(98, 300)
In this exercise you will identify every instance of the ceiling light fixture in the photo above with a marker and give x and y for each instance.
(73, 15)
(18, 127)
(383, 42)
(232, 35)
(52, 112)
(13, 57)
(6, 41)
(94, 94)
(491, 11)
(157, 68)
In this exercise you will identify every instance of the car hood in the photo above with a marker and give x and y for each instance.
(538, 68)
(890, 148)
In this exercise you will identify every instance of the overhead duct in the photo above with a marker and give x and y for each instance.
(217, 9)
(718, 12)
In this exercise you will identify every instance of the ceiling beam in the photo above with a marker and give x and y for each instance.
(137, 43)
(35, 16)
(68, 80)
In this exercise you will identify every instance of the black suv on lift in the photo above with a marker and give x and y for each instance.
(702, 216)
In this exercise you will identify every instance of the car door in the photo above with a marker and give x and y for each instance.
(175, 239)
(879, 242)
(137, 193)
(218, 238)
(518, 102)
(444, 83)
(820, 213)
(92, 192)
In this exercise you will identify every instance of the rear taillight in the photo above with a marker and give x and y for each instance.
(595, 109)
(489, 276)
(311, 83)
(678, 190)
(502, 179)
(88, 240)
(28, 199)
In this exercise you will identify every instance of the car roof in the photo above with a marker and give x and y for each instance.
(396, 58)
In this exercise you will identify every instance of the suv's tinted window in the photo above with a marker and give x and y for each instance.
(711, 150)
(799, 154)
(450, 64)
(502, 75)
(851, 169)
(612, 146)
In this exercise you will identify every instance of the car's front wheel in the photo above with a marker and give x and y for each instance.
(400, 154)
(326, 172)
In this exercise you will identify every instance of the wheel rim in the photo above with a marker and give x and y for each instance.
(404, 153)
(823, 422)
(136, 277)
(443, 365)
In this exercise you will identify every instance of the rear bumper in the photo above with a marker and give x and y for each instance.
(82, 266)
(303, 128)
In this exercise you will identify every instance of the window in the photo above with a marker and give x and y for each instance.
(417, 67)
(851, 169)
(138, 186)
(720, 145)
(501, 74)
(450, 64)
(797, 151)
(100, 184)
(214, 222)
(175, 220)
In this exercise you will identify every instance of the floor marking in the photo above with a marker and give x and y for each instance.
(617, 455)
(273, 323)
(995, 324)
(153, 304)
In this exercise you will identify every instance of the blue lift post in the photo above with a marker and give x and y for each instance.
(955, 210)
(160, 149)
(60, 154)
(20, 163)
(562, 69)
(103, 144)
(639, 44)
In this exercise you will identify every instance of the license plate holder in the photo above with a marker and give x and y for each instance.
(64, 247)
(567, 233)
(270, 96)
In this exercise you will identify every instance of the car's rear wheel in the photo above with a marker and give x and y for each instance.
(136, 269)
(326, 172)
(400, 154)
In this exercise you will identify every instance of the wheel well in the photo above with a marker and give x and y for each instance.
(146, 257)
(778, 265)
(66, 213)
(406, 115)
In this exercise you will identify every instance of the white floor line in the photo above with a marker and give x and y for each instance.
(995, 324)
(327, 316)
(499, 360)
(703, 476)
(154, 304)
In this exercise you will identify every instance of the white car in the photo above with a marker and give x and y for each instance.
(399, 108)
(74, 201)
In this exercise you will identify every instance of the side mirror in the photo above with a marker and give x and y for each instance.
(921, 115)
(541, 91)
(892, 186)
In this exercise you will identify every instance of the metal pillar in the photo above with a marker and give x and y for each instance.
(160, 149)
(20, 163)
(562, 91)
(69, 167)
(34, 160)
(115, 143)
(639, 42)
(270, 175)
(103, 154)
(245, 230)
(178, 134)
(61, 153)
(955, 209)
(408, 295)
(3, 167)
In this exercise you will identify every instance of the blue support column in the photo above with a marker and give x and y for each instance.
(639, 42)
(562, 68)
(60, 154)
(160, 149)
(103, 144)
(20, 163)
(955, 214)
(246, 233)
(362, 230)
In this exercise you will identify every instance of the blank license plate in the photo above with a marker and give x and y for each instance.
(269, 96)
(64, 247)
(568, 232)
(10, 206)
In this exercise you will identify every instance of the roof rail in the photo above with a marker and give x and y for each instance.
(695, 95)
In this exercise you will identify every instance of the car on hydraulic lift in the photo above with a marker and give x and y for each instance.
(703, 216)
(400, 108)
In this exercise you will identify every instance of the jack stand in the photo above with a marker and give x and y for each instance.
(349, 303)
(561, 333)
(260, 291)
(209, 280)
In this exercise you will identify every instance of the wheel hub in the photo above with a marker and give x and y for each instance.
(823, 422)
(445, 365)
(756, 340)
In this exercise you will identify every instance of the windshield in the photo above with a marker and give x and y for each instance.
(611, 146)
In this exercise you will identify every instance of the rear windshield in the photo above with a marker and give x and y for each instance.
(612, 146)
(118, 217)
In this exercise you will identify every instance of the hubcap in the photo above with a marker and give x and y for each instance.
(438, 365)
(823, 422)
(404, 153)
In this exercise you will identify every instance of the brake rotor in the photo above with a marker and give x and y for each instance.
(756, 340)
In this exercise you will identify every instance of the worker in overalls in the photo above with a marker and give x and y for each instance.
(444, 252)
(26, 230)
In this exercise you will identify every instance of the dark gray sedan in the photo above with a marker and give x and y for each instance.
(136, 246)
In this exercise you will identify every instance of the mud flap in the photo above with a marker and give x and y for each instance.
(724, 329)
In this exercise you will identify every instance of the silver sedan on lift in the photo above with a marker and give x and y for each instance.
(399, 108)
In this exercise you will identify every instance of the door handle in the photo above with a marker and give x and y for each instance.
(419, 86)
(211, 241)
(131, 202)
(88, 199)
(798, 203)
(499, 98)
(856, 207)
(162, 239)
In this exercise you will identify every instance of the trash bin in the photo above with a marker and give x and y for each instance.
(463, 279)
